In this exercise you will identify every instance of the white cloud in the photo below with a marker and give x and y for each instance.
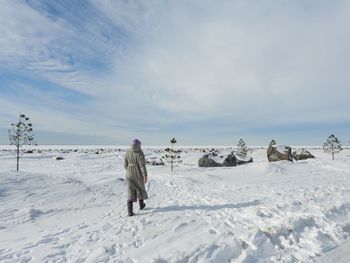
(221, 62)
(251, 63)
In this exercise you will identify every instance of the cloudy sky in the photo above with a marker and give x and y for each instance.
(205, 72)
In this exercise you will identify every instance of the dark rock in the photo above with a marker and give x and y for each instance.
(230, 160)
(240, 162)
(279, 153)
(155, 161)
(206, 161)
(302, 154)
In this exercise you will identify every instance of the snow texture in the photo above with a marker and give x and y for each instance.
(74, 210)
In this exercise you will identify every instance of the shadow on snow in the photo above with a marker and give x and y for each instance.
(205, 207)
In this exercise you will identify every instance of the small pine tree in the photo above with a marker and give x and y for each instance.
(172, 156)
(21, 133)
(243, 150)
(332, 145)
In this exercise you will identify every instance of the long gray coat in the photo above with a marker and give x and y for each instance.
(135, 165)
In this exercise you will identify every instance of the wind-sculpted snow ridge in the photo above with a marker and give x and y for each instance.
(74, 210)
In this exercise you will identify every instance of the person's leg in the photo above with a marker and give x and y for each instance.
(142, 204)
(132, 195)
(129, 205)
(141, 195)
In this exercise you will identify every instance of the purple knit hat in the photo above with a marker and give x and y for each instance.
(136, 141)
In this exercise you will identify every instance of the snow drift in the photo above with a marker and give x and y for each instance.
(74, 210)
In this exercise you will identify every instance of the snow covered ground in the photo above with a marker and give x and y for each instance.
(74, 210)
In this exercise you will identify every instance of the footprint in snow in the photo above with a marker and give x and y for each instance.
(82, 226)
(212, 231)
(180, 226)
(46, 240)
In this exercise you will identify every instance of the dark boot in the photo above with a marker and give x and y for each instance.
(130, 212)
(142, 204)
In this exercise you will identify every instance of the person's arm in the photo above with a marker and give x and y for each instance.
(143, 167)
(126, 161)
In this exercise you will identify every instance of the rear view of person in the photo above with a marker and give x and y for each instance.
(136, 176)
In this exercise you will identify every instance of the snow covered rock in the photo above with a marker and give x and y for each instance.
(207, 161)
(214, 160)
(279, 152)
(210, 159)
(243, 159)
(302, 154)
(230, 160)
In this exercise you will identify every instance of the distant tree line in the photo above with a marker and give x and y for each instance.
(21, 133)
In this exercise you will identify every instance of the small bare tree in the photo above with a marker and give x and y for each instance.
(172, 156)
(332, 145)
(21, 133)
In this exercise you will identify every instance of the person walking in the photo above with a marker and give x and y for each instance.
(136, 176)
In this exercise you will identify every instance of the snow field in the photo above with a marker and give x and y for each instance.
(74, 210)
